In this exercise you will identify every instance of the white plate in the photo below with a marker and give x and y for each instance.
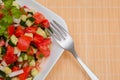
(56, 50)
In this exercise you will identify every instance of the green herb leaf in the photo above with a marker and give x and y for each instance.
(5, 11)
(8, 3)
(16, 12)
(2, 29)
(8, 19)
(41, 55)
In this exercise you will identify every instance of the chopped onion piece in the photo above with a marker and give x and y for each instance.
(18, 54)
(4, 63)
(16, 20)
(15, 73)
(2, 68)
(16, 25)
(16, 50)
(6, 44)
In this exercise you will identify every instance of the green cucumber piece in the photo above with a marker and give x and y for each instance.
(32, 63)
(31, 19)
(7, 70)
(5, 35)
(30, 58)
(8, 78)
(29, 23)
(11, 66)
(23, 23)
(25, 57)
(30, 13)
(41, 32)
(23, 18)
(11, 43)
(13, 40)
(34, 72)
(3, 74)
(3, 50)
(20, 59)
(47, 33)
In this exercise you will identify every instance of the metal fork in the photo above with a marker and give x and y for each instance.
(61, 36)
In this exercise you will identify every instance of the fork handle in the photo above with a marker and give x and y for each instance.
(88, 71)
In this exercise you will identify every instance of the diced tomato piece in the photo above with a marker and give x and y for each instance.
(19, 31)
(46, 42)
(1, 15)
(24, 43)
(43, 46)
(2, 43)
(37, 39)
(10, 50)
(26, 70)
(22, 76)
(1, 78)
(39, 55)
(45, 23)
(10, 58)
(38, 17)
(11, 30)
(15, 68)
(31, 29)
(30, 51)
(44, 50)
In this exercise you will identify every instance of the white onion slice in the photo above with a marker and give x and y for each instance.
(16, 25)
(15, 73)
(16, 20)
(4, 63)
(18, 54)
(2, 68)
(6, 44)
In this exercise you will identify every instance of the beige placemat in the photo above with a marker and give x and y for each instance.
(95, 28)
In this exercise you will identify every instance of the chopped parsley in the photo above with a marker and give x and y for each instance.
(9, 12)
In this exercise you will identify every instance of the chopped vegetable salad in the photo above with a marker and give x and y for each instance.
(24, 41)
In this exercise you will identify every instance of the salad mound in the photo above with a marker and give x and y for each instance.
(24, 41)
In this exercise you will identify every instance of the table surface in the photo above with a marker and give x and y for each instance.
(95, 28)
